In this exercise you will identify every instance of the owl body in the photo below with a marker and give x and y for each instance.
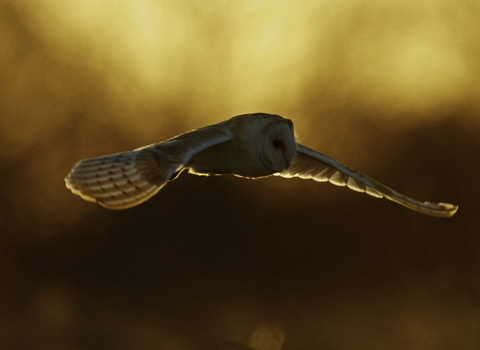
(250, 145)
(223, 159)
(246, 154)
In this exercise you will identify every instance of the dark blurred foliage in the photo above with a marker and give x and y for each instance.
(390, 88)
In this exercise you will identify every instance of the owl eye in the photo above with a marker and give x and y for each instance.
(277, 143)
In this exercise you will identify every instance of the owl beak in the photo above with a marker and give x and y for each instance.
(287, 163)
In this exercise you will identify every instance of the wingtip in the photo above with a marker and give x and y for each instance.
(441, 210)
(449, 210)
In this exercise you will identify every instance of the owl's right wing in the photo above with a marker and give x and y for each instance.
(124, 180)
(310, 164)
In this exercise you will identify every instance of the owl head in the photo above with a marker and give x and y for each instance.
(277, 143)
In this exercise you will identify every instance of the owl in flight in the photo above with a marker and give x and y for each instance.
(250, 145)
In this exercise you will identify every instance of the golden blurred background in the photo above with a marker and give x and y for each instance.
(389, 87)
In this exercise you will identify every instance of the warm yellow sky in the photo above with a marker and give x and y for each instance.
(232, 57)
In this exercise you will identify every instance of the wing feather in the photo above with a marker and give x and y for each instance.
(124, 180)
(310, 164)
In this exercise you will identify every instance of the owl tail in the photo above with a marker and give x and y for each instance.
(122, 180)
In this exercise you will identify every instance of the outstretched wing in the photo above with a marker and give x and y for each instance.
(310, 164)
(124, 180)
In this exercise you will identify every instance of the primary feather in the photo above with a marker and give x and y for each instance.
(118, 181)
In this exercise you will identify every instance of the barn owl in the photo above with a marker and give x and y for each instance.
(250, 145)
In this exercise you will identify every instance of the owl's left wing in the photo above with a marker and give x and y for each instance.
(310, 164)
(124, 180)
